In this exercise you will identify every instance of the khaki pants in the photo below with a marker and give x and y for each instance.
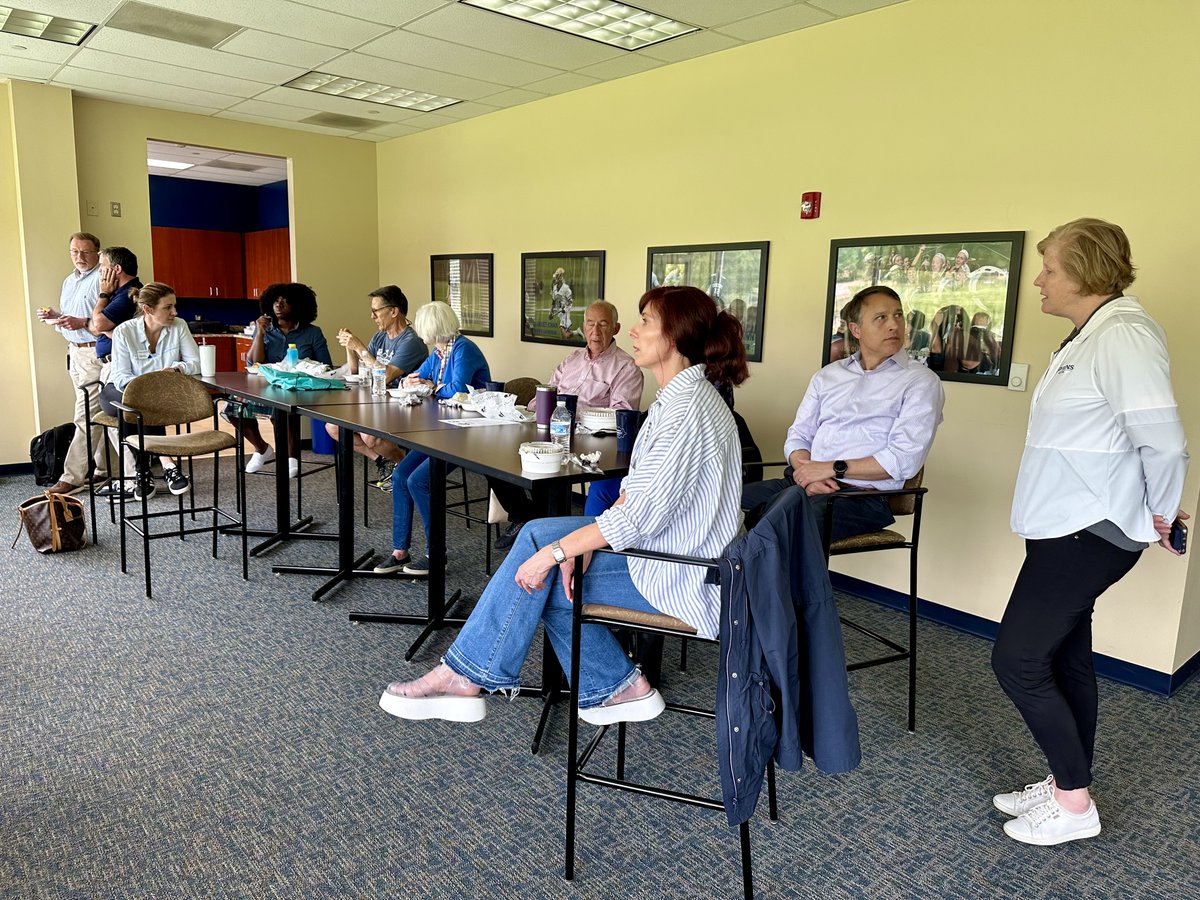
(84, 368)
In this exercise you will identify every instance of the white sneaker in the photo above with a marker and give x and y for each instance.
(1050, 824)
(258, 460)
(293, 467)
(1017, 803)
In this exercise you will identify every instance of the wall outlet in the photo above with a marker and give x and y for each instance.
(114, 210)
(93, 208)
(1018, 376)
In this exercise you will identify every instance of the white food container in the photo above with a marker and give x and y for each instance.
(542, 457)
(598, 418)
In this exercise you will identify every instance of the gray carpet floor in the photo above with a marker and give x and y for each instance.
(223, 740)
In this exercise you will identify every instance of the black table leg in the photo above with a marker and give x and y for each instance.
(285, 529)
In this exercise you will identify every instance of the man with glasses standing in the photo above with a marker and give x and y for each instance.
(80, 291)
(396, 342)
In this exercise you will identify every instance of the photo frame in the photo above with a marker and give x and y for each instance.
(734, 275)
(464, 280)
(959, 293)
(556, 289)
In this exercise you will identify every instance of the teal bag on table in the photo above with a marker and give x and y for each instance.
(299, 381)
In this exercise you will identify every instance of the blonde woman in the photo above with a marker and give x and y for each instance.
(150, 342)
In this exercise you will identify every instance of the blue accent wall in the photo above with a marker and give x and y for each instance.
(213, 206)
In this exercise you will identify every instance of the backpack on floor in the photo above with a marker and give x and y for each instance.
(48, 453)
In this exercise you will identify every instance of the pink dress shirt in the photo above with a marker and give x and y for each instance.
(612, 379)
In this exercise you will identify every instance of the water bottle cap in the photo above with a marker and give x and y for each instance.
(562, 403)
(291, 346)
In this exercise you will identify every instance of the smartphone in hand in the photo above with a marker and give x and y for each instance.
(1178, 536)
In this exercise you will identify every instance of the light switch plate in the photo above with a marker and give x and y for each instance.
(1018, 376)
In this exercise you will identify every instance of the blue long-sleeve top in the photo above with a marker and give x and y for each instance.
(466, 365)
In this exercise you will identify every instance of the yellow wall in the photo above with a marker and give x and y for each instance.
(930, 116)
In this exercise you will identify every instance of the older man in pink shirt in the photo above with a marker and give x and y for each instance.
(600, 374)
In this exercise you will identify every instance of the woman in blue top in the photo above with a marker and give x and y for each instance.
(288, 313)
(454, 363)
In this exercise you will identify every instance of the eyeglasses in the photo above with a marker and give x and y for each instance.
(378, 309)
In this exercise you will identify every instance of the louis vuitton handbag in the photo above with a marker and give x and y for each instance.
(54, 522)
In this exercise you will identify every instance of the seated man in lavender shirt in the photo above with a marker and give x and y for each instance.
(600, 374)
(866, 421)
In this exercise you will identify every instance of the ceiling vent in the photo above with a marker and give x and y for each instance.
(183, 28)
(231, 166)
(337, 120)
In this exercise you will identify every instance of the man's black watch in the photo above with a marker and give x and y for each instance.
(839, 468)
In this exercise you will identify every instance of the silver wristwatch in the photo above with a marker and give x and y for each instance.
(557, 550)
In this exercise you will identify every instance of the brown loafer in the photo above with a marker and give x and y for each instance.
(63, 487)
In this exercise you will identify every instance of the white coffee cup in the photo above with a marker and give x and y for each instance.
(208, 360)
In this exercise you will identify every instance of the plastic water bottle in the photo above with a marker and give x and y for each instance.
(560, 426)
(292, 359)
(379, 379)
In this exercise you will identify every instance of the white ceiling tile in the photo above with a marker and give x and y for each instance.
(280, 123)
(627, 64)
(80, 10)
(261, 45)
(72, 76)
(432, 53)
(412, 78)
(26, 69)
(313, 101)
(46, 51)
(393, 12)
(371, 136)
(560, 84)
(466, 110)
(137, 99)
(253, 159)
(400, 129)
(689, 46)
(99, 61)
(712, 13)
(852, 7)
(513, 97)
(781, 21)
(523, 40)
(127, 43)
(283, 17)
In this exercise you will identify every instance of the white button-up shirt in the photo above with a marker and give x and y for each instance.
(890, 413)
(131, 354)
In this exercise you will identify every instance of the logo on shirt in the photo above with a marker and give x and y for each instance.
(1067, 367)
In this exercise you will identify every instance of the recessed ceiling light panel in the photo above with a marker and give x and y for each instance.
(354, 89)
(46, 28)
(167, 164)
(615, 24)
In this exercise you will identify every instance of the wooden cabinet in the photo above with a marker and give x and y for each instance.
(199, 263)
(242, 346)
(225, 347)
(268, 259)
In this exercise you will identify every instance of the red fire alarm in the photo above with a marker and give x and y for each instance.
(810, 205)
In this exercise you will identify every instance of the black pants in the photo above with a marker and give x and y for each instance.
(1043, 652)
(110, 394)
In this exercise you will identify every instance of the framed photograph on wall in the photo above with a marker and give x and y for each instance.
(556, 289)
(464, 280)
(734, 275)
(959, 293)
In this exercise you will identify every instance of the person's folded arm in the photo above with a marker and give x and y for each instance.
(912, 433)
(189, 354)
(625, 391)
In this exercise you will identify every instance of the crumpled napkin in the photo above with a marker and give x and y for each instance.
(313, 367)
(495, 405)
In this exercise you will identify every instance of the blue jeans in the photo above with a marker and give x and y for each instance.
(410, 484)
(601, 495)
(492, 645)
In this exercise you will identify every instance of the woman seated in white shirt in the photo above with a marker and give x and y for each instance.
(682, 496)
(151, 342)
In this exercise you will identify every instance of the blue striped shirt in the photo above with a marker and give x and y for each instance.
(682, 495)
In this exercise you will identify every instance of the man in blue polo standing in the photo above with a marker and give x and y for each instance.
(71, 319)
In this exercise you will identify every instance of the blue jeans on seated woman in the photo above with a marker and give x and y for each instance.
(410, 484)
(492, 645)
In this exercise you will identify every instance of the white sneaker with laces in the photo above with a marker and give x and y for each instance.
(1017, 803)
(293, 467)
(1050, 824)
(258, 460)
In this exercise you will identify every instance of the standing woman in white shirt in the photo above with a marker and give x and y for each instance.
(151, 342)
(682, 495)
(1100, 480)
